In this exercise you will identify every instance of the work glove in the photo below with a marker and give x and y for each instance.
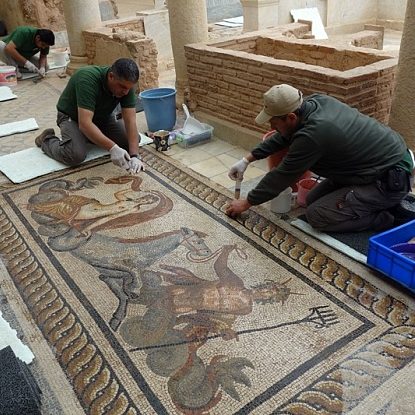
(120, 157)
(136, 164)
(42, 71)
(31, 67)
(237, 171)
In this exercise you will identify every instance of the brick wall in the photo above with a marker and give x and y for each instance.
(228, 79)
(103, 47)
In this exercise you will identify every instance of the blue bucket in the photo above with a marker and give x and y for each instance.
(159, 108)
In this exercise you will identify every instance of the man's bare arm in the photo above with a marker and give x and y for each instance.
(93, 133)
(128, 115)
(12, 51)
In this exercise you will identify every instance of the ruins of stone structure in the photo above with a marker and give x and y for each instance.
(227, 79)
(124, 38)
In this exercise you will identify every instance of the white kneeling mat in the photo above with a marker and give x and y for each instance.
(18, 127)
(6, 94)
(33, 162)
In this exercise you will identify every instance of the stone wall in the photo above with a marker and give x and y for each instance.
(38, 13)
(43, 13)
(391, 13)
(104, 45)
(228, 79)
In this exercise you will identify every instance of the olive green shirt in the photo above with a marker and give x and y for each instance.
(88, 89)
(24, 39)
(334, 141)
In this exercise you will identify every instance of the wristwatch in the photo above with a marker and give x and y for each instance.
(136, 156)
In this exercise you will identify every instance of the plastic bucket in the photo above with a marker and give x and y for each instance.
(304, 186)
(282, 203)
(159, 108)
(60, 58)
(8, 76)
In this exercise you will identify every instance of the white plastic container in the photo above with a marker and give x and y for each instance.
(190, 140)
(8, 76)
(282, 203)
(60, 58)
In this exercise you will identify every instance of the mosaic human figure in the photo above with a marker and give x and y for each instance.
(183, 312)
(72, 223)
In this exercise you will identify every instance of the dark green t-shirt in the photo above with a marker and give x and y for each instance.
(24, 39)
(88, 89)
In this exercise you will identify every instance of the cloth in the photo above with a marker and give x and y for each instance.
(337, 208)
(24, 39)
(72, 149)
(334, 141)
(88, 89)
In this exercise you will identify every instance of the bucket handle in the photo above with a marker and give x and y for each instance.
(186, 110)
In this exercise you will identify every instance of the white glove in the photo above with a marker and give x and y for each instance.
(237, 171)
(30, 67)
(42, 71)
(120, 157)
(136, 164)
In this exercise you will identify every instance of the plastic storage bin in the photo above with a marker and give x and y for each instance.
(190, 140)
(393, 264)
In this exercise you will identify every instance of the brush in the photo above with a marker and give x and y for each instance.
(238, 188)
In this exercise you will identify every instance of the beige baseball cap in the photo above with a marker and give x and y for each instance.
(279, 100)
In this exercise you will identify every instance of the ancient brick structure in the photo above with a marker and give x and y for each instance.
(124, 38)
(227, 79)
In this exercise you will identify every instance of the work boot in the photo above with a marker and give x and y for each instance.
(383, 221)
(404, 211)
(49, 132)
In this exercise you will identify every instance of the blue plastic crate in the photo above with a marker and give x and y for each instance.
(389, 262)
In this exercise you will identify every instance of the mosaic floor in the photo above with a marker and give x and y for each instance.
(153, 301)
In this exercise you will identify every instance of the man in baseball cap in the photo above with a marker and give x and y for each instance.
(279, 100)
(366, 165)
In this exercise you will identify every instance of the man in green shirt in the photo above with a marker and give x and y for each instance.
(20, 48)
(366, 165)
(85, 115)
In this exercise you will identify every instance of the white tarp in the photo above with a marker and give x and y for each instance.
(311, 14)
(8, 337)
(232, 22)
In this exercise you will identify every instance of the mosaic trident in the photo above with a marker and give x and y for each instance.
(321, 316)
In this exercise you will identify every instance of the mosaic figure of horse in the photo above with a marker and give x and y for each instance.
(120, 262)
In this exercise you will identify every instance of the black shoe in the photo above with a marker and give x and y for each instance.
(405, 211)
